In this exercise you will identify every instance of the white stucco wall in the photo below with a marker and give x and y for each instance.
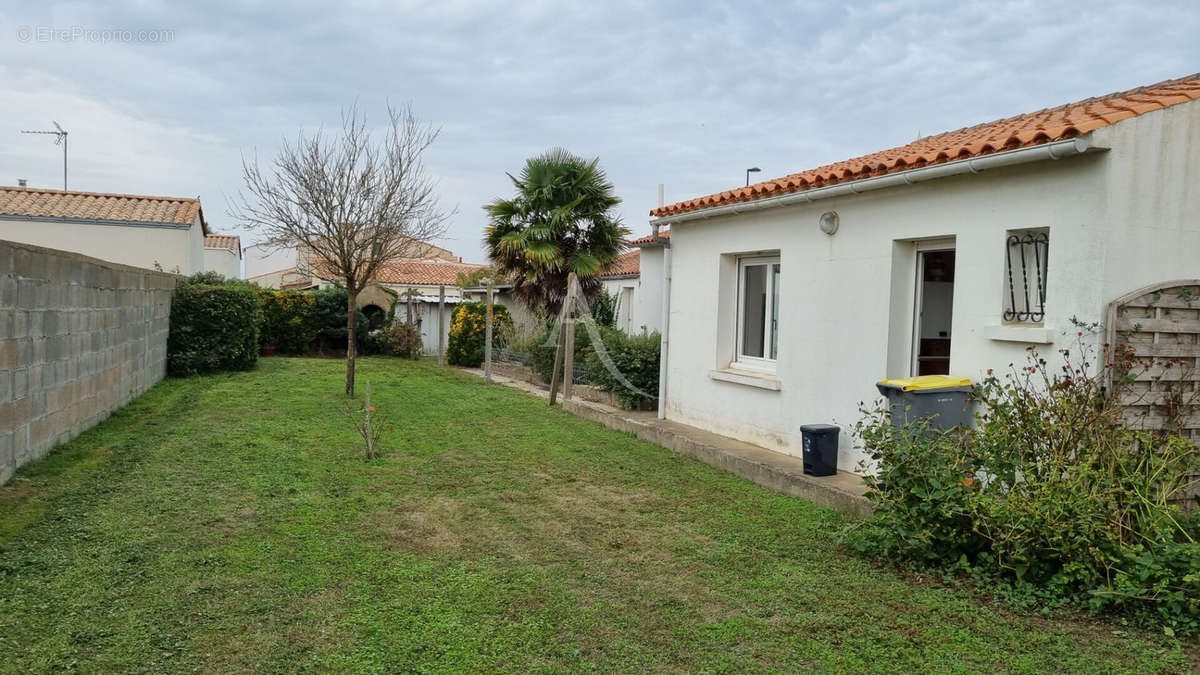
(175, 249)
(261, 259)
(648, 308)
(195, 244)
(1118, 220)
(223, 261)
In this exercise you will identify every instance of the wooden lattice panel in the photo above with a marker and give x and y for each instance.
(1162, 325)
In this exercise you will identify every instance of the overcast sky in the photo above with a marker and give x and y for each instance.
(687, 94)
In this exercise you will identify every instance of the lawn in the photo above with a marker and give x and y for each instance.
(230, 523)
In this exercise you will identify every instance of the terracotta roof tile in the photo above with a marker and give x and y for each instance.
(662, 234)
(231, 242)
(626, 265)
(422, 272)
(69, 205)
(429, 272)
(1034, 128)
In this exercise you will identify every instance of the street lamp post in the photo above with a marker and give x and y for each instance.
(753, 169)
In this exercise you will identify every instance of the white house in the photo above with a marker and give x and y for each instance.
(223, 254)
(165, 233)
(788, 299)
(635, 280)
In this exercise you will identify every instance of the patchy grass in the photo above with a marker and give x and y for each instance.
(230, 523)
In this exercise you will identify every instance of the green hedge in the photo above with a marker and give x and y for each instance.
(467, 331)
(329, 316)
(287, 321)
(214, 326)
(636, 358)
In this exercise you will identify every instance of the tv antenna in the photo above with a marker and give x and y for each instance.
(60, 138)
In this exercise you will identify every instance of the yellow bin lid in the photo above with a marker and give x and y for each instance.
(924, 382)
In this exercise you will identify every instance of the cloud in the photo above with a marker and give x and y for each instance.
(686, 94)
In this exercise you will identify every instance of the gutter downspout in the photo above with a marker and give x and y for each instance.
(1034, 153)
(664, 343)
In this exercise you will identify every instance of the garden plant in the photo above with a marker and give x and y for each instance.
(1053, 498)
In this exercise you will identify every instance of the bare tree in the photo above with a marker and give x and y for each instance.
(350, 202)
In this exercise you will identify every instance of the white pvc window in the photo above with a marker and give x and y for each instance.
(758, 312)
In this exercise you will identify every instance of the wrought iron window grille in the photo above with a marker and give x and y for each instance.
(1025, 256)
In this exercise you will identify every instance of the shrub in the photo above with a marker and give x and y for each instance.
(396, 339)
(605, 307)
(214, 326)
(635, 360)
(541, 353)
(329, 318)
(467, 331)
(1051, 497)
(287, 321)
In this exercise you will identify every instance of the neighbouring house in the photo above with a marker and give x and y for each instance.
(223, 255)
(266, 264)
(788, 299)
(635, 279)
(275, 266)
(161, 233)
(421, 279)
(417, 284)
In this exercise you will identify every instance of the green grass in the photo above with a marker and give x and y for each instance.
(230, 523)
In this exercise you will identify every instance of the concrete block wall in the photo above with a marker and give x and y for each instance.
(79, 338)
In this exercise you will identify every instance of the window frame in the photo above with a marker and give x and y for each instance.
(770, 314)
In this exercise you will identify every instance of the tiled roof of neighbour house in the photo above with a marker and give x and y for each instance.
(427, 272)
(662, 234)
(231, 242)
(1043, 126)
(99, 206)
(626, 265)
(422, 272)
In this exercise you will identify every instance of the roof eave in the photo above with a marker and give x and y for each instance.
(1035, 153)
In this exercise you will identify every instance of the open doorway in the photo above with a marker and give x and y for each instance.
(934, 311)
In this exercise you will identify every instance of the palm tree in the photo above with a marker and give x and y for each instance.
(560, 221)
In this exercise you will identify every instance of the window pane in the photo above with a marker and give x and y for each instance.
(754, 309)
(774, 310)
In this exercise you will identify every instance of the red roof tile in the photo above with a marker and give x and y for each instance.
(626, 265)
(662, 234)
(430, 272)
(226, 241)
(72, 205)
(423, 272)
(1044, 126)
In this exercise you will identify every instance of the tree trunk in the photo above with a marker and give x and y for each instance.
(351, 338)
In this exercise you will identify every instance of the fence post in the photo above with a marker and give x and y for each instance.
(367, 424)
(558, 359)
(441, 325)
(487, 335)
(569, 347)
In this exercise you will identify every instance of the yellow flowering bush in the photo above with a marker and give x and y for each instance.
(468, 326)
